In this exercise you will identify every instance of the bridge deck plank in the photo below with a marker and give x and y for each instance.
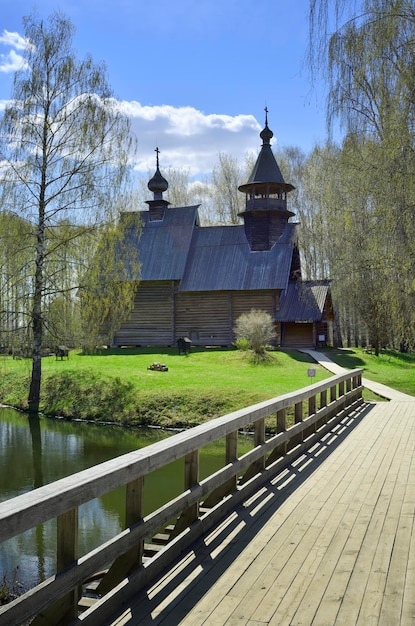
(330, 541)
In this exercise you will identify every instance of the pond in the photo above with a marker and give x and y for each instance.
(35, 452)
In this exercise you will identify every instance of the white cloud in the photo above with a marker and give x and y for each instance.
(188, 138)
(14, 40)
(12, 61)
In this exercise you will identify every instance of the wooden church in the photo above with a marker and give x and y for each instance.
(197, 280)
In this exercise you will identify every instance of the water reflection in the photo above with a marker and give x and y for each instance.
(35, 452)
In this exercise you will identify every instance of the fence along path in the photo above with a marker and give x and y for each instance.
(328, 541)
(121, 560)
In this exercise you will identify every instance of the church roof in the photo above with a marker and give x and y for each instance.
(220, 259)
(164, 244)
(266, 170)
(208, 258)
(303, 302)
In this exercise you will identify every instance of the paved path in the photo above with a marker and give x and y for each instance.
(328, 542)
(381, 390)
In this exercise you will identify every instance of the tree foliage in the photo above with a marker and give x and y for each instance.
(64, 146)
(369, 60)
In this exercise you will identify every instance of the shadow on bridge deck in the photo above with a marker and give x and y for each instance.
(245, 571)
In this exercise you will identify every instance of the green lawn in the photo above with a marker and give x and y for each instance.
(117, 384)
(391, 368)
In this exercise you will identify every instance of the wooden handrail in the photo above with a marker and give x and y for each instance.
(219, 491)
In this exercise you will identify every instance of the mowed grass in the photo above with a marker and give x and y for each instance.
(392, 368)
(116, 384)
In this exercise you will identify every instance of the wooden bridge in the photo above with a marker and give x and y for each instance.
(312, 526)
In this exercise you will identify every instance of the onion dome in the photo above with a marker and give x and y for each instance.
(157, 184)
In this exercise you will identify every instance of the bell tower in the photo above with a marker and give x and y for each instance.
(266, 213)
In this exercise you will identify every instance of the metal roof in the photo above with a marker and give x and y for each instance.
(303, 302)
(220, 259)
(164, 244)
(208, 258)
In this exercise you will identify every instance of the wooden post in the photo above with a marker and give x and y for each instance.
(191, 478)
(298, 418)
(232, 455)
(67, 553)
(131, 560)
(333, 393)
(259, 439)
(281, 450)
(281, 420)
(311, 405)
(134, 511)
(230, 485)
(64, 610)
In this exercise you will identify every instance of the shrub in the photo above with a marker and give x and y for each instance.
(242, 344)
(256, 328)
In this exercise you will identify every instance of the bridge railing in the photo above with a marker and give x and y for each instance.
(313, 410)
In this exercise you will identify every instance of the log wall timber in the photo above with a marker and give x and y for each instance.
(161, 315)
(208, 318)
(296, 335)
(151, 320)
(244, 301)
(204, 317)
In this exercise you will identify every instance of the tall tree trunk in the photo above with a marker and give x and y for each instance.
(37, 314)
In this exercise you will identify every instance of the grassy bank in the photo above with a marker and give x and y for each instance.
(116, 385)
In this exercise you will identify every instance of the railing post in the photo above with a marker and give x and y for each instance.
(333, 393)
(191, 478)
(67, 553)
(66, 609)
(281, 420)
(281, 450)
(259, 439)
(341, 389)
(133, 558)
(298, 418)
(230, 485)
(232, 455)
(134, 511)
(311, 405)
(191, 473)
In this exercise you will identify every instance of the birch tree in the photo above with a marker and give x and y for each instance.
(64, 145)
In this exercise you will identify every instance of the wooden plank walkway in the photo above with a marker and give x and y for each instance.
(328, 542)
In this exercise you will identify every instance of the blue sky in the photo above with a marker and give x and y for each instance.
(195, 76)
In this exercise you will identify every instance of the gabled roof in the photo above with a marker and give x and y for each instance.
(303, 302)
(209, 258)
(220, 259)
(164, 244)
